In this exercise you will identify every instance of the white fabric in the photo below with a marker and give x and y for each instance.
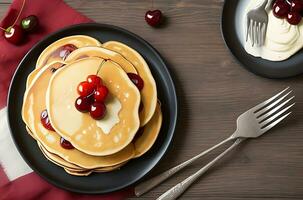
(10, 159)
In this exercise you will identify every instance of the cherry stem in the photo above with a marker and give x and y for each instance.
(17, 18)
(99, 68)
(152, 4)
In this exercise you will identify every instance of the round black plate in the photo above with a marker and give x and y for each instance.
(98, 182)
(269, 69)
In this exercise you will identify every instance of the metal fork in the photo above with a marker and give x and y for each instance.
(251, 124)
(257, 20)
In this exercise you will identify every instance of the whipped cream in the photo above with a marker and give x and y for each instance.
(282, 39)
(113, 106)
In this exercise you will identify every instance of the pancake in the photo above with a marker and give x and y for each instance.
(31, 77)
(78, 41)
(88, 172)
(34, 104)
(77, 173)
(59, 161)
(149, 91)
(30, 132)
(150, 133)
(85, 133)
(104, 54)
(64, 164)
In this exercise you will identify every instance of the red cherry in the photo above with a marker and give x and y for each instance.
(65, 50)
(30, 23)
(137, 80)
(45, 121)
(14, 34)
(97, 110)
(101, 93)
(281, 9)
(66, 144)
(294, 18)
(296, 5)
(153, 17)
(95, 80)
(82, 104)
(279, 1)
(85, 88)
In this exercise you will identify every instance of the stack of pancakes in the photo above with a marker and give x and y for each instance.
(133, 118)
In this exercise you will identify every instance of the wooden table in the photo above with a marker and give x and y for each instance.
(213, 90)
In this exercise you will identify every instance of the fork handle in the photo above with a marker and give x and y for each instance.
(145, 186)
(178, 189)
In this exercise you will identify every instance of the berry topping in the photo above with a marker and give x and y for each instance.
(65, 50)
(94, 80)
(153, 17)
(294, 18)
(30, 23)
(97, 110)
(281, 9)
(14, 34)
(82, 104)
(296, 5)
(66, 144)
(137, 80)
(101, 93)
(85, 88)
(45, 121)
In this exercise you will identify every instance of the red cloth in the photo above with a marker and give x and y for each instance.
(53, 15)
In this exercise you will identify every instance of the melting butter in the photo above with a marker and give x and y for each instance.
(113, 106)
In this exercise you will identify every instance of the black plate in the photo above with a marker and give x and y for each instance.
(98, 182)
(269, 69)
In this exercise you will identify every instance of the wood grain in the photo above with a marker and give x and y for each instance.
(213, 90)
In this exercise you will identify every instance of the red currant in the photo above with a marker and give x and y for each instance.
(97, 110)
(66, 144)
(101, 93)
(137, 80)
(82, 104)
(281, 9)
(95, 80)
(153, 17)
(14, 34)
(45, 121)
(294, 18)
(85, 88)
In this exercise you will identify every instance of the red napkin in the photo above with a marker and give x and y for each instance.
(53, 15)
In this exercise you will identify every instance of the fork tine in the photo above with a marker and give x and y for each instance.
(262, 117)
(253, 32)
(264, 33)
(264, 103)
(247, 27)
(256, 33)
(272, 118)
(269, 126)
(271, 105)
(259, 34)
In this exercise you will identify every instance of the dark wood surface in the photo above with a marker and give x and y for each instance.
(213, 90)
